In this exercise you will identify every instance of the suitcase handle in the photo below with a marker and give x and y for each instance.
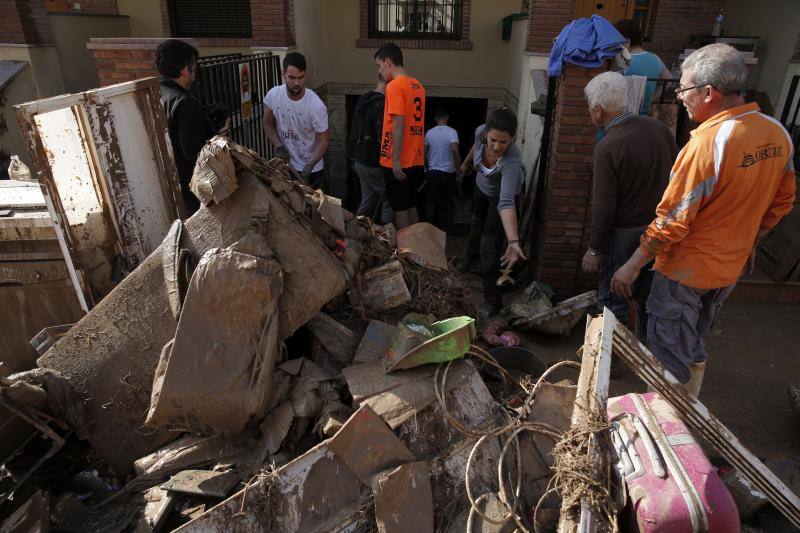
(650, 447)
(630, 464)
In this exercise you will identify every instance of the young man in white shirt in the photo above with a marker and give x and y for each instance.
(444, 159)
(296, 122)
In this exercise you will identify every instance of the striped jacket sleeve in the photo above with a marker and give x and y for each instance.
(692, 182)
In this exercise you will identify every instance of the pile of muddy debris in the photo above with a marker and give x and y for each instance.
(272, 365)
(277, 364)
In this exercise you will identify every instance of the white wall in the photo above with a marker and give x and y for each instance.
(531, 127)
(777, 24)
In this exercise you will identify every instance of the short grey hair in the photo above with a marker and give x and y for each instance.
(608, 90)
(719, 65)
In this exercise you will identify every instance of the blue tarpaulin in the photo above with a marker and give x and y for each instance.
(586, 43)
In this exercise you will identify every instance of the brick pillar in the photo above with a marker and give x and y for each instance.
(566, 218)
(125, 58)
(547, 18)
(24, 22)
(273, 23)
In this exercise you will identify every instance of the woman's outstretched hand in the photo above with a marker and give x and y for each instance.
(513, 254)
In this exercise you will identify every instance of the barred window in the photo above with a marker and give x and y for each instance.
(210, 18)
(427, 19)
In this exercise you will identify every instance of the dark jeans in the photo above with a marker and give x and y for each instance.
(440, 191)
(319, 179)
(486, 239)
(373, 203)
(621, 246)
(680, 316)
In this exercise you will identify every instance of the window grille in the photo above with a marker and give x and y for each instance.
(414, 19)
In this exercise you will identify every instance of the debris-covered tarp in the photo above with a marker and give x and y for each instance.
(110, 356)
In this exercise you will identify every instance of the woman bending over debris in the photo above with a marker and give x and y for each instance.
(498, 181)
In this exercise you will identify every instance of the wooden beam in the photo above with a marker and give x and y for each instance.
(591, 397)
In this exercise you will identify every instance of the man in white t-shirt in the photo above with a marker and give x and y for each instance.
(296, 122)
(443, 160)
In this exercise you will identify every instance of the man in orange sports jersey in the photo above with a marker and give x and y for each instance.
(731, 184)
(403, 137)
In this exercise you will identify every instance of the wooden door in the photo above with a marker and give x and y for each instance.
(611, 10)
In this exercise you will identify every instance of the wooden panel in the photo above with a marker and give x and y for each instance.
(611, 10)
(35, 295)
(779, 253)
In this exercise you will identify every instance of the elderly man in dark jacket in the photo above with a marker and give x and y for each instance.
(188, 123)
(630, 172)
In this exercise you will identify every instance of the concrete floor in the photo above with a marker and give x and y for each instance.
(755, 354)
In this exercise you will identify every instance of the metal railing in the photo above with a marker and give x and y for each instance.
(219, 81)
(411, 19)
(790, 118)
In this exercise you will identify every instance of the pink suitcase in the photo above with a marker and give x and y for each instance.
(672, 487)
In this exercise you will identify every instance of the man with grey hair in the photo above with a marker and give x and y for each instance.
(731, 184)
(630, 172)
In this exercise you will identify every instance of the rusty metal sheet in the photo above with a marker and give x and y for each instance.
(367, 445)
(403, 499)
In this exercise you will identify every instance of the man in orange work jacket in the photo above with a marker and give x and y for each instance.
(730, 185)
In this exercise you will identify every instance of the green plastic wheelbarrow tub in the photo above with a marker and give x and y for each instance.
(452, 339)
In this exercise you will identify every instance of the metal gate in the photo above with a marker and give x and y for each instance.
(220, 80)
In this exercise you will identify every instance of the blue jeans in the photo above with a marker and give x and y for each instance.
(621, 246)
(680, 316)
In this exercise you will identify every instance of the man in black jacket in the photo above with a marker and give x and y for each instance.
(189, 125)
(363, 149)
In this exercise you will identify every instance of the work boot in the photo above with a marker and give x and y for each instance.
(696, 371)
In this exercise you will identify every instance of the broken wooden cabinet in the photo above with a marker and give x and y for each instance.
(35, 286)
(104, 162)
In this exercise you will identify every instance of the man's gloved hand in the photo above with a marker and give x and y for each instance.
(281, 152)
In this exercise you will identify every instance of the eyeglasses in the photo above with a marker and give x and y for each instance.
(679, 89)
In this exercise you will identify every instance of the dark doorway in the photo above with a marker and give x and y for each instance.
(466, 114)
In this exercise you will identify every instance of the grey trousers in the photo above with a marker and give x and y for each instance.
(679, 317)
(372, 193)
(621, 245)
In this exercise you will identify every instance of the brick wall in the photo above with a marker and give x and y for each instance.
(24, 22)
(273, 22)
(566, 219)
(364, 40)
(95, 7)
(547, 18)
(676, 21)
(125, 59)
